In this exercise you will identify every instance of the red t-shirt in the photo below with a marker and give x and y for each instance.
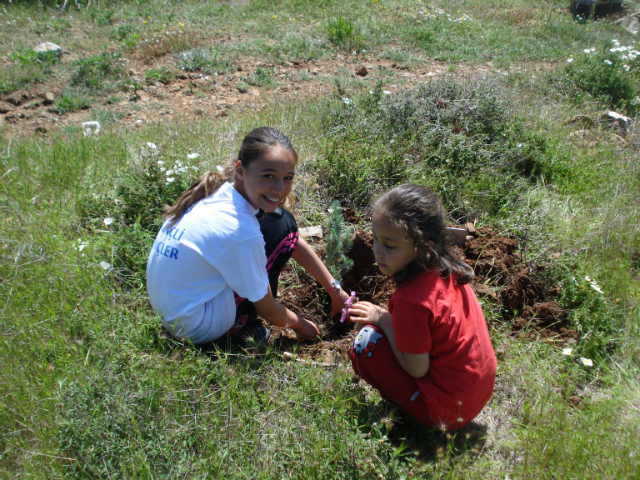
(444, 319)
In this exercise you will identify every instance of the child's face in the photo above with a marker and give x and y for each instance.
(391, 247)
(268, 180)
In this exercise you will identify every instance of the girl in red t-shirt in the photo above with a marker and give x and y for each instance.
(430, 352)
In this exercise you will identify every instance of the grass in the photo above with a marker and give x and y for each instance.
(93, 389)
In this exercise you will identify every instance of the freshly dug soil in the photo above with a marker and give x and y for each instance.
(502, 276)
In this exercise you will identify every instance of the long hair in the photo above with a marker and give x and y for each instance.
(418, 211)
(258, 142)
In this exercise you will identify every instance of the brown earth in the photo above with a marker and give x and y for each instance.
(502, 277)
(192, 95)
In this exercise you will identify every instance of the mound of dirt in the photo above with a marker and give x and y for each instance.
(502, 276)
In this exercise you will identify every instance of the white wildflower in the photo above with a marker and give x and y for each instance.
(108, 221)
(567, 351)
(626, 67)
(191, 156)
(569, 60)
(168, 173)
(608, 62)
(593, 284)
(346, 100)
(160, 162)
(386, 92)
(105, 265)
(152, 145)
(81, 245)
(170, 180)
(587, 362)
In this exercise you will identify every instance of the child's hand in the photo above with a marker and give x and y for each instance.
(307, 329)
(366, 312)
(338, 299)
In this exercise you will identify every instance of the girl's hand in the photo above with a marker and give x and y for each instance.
(306, 328)
(338, 299)
(366, 312)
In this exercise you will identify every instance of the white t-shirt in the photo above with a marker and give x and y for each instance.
(215, 249)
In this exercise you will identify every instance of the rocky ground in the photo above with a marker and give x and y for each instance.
(190, 95)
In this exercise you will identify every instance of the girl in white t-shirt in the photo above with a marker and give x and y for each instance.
(214, 261)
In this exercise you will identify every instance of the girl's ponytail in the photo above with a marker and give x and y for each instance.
(206, 185)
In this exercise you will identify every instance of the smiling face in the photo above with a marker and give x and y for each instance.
(265, 182)
(391, 247)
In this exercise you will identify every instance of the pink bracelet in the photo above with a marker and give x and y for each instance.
(347, 304)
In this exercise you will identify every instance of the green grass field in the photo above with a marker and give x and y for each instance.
(91, 388)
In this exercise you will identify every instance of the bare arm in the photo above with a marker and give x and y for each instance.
(308, 260)
(277, 314)
(416, 365)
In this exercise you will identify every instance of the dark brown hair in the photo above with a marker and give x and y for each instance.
(258, 142)
(418, 211)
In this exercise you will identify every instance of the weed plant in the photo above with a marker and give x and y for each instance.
(98, 72)
(165, 43)
(203, 60)
(70, 101)
(262, 77)
(342, 33)
(162, 75)
(30, 67)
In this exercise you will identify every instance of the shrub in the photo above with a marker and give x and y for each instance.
(122, 32)
(610, 75)
(162, 75)
(98, 71)
(31, 57)
(169, 42)
(71, 102)
(262, 77)
(203, 60)
(103, 17)
(142, 191)
(342, 33)
(461, 139)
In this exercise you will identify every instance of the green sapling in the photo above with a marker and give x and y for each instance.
(338, 243)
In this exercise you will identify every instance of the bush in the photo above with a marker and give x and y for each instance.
(610, 75)
(70, 102)
(262, 77)
(461, 139)
(136, 209)
(162, 75)
(31, 57)
(203, 60)
(342, 33)
(98, 71)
